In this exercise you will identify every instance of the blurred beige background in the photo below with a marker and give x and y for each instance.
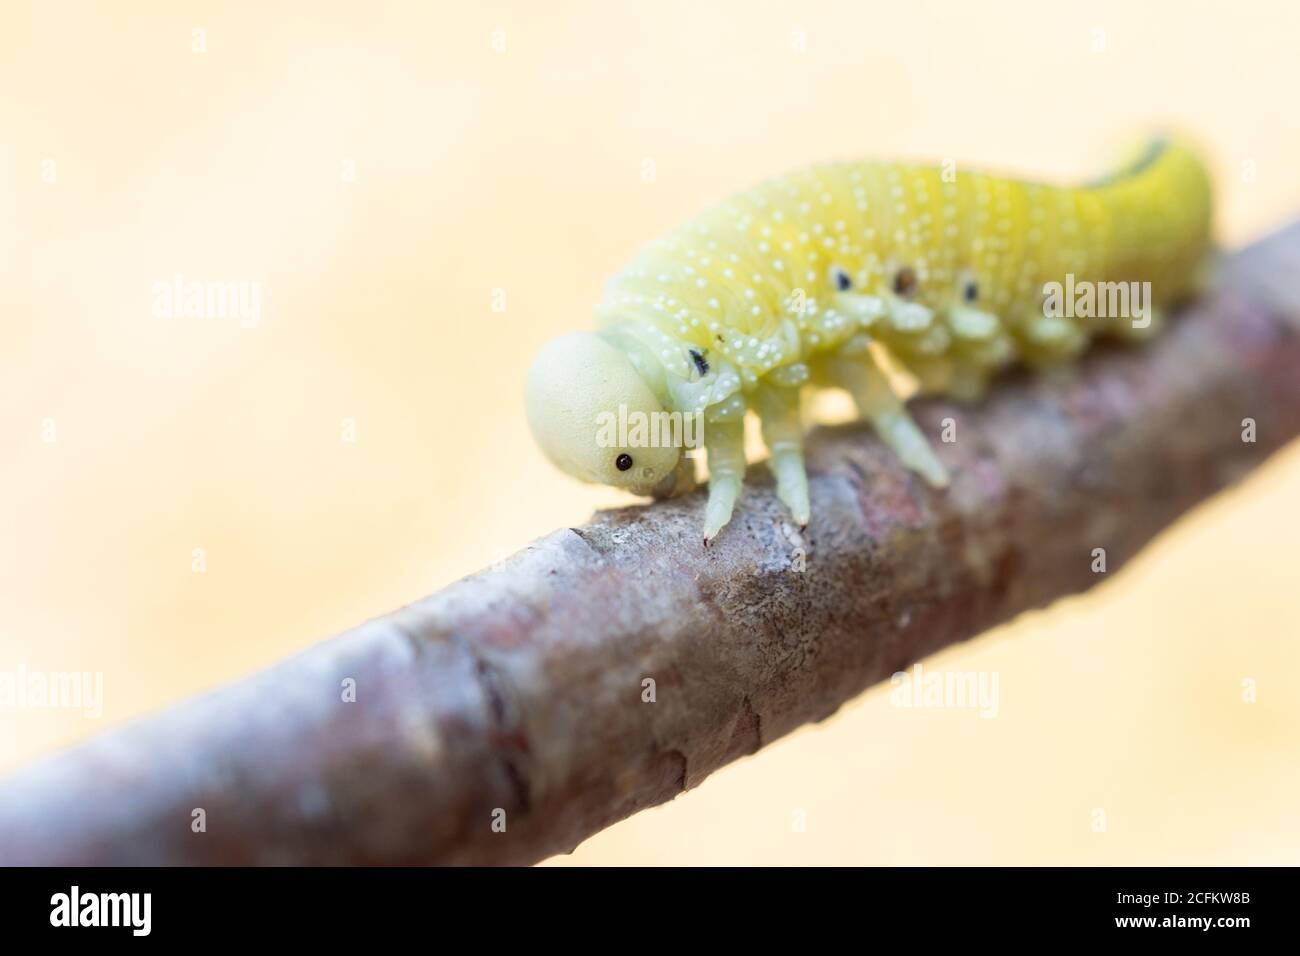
(389, 173)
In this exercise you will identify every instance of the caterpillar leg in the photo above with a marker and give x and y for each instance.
(778, 409)
(863, 379)
(1047, 340)
(725, 443)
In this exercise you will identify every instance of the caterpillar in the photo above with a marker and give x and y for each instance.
(829, 275)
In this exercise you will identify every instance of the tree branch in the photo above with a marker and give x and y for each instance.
(521, 687)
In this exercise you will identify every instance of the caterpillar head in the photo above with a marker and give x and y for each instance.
(579, 389)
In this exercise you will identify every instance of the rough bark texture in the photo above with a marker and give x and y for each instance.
(520, 687)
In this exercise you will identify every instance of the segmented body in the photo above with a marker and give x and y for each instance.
(810, 276)
(754, 284)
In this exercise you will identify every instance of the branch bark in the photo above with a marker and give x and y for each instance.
(520, 689)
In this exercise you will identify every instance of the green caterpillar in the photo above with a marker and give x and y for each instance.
(814, 277)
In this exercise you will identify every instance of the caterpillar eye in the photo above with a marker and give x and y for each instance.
(905, 282)
(970, 291)
(623, 462)
(840, 279)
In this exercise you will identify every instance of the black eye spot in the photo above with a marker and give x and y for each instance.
(623, 462)
(970, 291)
(905, 282)
(841, 279)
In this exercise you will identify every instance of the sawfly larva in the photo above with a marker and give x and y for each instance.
(827, 275)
